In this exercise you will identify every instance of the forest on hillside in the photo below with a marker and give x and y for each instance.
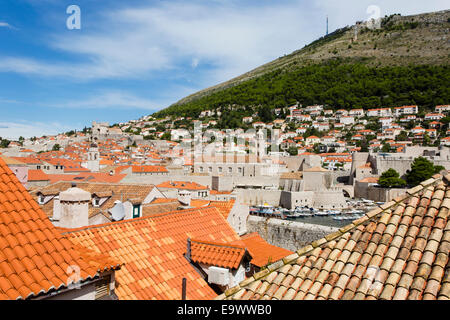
(335, 84)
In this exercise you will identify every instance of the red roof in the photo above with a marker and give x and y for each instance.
(148, 169)
(153, 249)
(28, 160)
(101, 177)
(182, 185)
(34, 257)
(261, 251)
(218, 254)
(37, 175)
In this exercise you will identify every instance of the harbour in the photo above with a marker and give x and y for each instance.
(332, 218)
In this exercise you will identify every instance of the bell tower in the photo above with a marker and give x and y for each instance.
(93, 161)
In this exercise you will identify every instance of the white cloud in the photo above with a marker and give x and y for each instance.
(132, 43)
(13, 130)
(108, 99)
(6, 25)
(195, 62)
(227, 37)
(343, 13)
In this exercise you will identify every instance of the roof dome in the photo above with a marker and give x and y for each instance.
(74, 194)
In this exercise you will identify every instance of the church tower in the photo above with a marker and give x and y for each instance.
(93, 161)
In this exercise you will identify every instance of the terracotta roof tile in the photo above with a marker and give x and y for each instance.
(225, 255)
(261, 251)
(399, 252)
(153, 250)
(30, 246)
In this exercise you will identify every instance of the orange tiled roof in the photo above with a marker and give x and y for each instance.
(153, 250)
(224, 207)
(218, 254)
(27, 160)
(37, 175)
(197, 203)
(398, 251)
(101, 177)
(215, 192)
(140, 169)
(12, 161)
(261, 251)
(34, 256)
(181, 185)
(370, 180)
(163, 200)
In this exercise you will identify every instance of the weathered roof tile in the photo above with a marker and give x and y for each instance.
(400, 253)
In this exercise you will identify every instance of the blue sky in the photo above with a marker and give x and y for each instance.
(131, 58)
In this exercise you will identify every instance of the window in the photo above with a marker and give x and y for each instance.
(41, 199)
(96, 202)
(102, 288)
(136, 211)
(220, 169)
(38, 167)
(210, 169)
(230, 170)
(201, 169)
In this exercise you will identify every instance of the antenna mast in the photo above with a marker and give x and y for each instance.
(327, 24)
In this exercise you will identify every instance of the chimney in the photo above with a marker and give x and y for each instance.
(56, 210)
(188, 250)
(184, 196)
(74, 208)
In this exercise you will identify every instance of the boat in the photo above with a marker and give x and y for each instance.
(305, 214)
(347, 217)
(356, 211)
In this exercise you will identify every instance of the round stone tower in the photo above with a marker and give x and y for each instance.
(74, 206)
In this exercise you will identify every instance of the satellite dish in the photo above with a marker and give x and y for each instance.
(118, 211)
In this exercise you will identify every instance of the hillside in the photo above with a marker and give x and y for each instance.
(410, 54)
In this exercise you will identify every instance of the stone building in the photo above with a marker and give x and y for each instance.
(93, 203)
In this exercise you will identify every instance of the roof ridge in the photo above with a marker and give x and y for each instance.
(157, 215)
(332, 236)
(218, 244)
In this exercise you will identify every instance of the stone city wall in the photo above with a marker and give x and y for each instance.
(290, 235)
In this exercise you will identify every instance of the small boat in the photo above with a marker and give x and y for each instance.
(305, 214)
(322, 213)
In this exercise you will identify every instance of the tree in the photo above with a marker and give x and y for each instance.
(166, 136)
(364, 146)
(56, 147)
(293, 151)
(4, 143)
(386, 148)
(421, 170)
(391, 178)
(266, 114)
(403, 136)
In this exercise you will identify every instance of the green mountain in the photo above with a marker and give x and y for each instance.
(404, 61)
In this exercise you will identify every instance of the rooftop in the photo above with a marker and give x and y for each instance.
(153, 248)
(398, 251)
(224, 255)
(34, 257)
